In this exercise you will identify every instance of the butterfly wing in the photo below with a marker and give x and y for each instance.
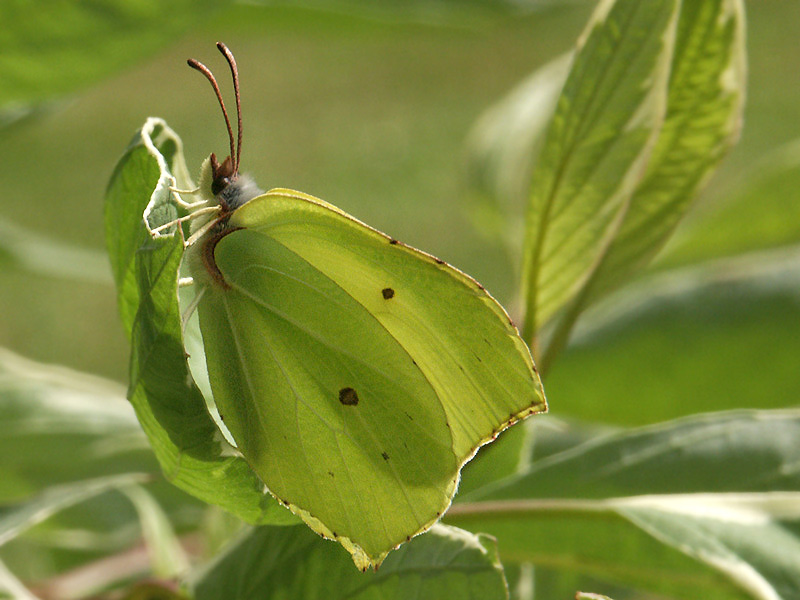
(356, 374)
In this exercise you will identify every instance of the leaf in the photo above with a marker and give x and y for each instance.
(385, 368)
(60, 426)
(705, 102)
(502, 146)
(15, 520)
(57, 47)
(290, 562)
(721, 315)
(503, 457)
(11, 588)
(751, 538)
(63, 428)
(169, 406)
(166, 554)
(675, 482)
(756, 211)
(605, 126)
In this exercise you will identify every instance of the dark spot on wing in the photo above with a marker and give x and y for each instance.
(348, 396)
(439, 261)
(480, 287)
(393, 242)
(385, 456)
(387, 293)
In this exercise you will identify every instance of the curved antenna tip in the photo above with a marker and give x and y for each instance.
(235, 73)
(196, 64)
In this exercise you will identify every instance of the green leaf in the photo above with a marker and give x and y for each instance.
(12, 588)
(705, 102)
(604, 129)
(720, 315)
(503, 457)
(756, 210)
(168, 559)
(673, 481)
(16, 519)
(59, 426)
(501, 149)
(753, 539)
(290, 562)
(57, 47)
(171, 410)
(62, 428)
(704, 113)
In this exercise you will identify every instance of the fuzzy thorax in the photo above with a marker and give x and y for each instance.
(240, 190)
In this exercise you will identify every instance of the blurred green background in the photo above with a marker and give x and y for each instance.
(366, 105)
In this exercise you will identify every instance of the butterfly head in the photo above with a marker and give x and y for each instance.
(222, 175)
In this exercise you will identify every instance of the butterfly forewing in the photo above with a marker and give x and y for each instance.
(356, 374)
(456, 333)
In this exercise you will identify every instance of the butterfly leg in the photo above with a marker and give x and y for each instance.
(176, 194)
(156, 231)
(204, 229)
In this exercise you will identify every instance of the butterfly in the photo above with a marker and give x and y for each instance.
(356, 374)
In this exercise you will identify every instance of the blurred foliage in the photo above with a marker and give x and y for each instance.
(53, 47)
(290, 562)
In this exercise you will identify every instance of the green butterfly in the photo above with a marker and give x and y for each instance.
(356, 374)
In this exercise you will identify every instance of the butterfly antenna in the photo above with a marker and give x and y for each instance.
(235, 72)
(195, 64)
